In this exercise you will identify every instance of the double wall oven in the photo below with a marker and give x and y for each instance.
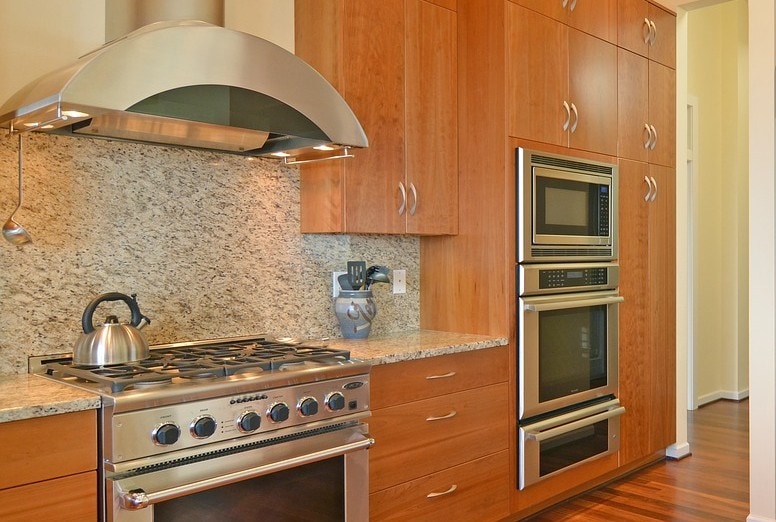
(567, 313)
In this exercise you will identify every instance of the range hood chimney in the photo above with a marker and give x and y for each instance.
(189, 83)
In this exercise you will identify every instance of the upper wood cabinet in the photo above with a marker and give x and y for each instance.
(561, 83)
(395, 63)
(648, 30)
(596, 17)
(646, 110)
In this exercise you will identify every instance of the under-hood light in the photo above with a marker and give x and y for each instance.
(311, 157)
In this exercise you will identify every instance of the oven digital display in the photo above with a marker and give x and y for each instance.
(568, 278)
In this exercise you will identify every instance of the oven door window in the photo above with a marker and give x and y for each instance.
(572, 351)
(571, 448)
(567, 207)
(310, 492)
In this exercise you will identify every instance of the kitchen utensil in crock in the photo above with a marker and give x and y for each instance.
(344, 282)
(357, 274)
(13, 232)
(376, 274)
(113, 342)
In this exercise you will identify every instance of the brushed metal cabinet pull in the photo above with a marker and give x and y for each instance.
(652, 33)
(564, 3)
(572, 5)
(647, 32)
(568, 116)
(414, 193)
(654, 137)
(654, 194)
(441, 376)
(648, 141)
(403, 198)
(576, 118)
(649, 189)
(450, 415)
(440, 493)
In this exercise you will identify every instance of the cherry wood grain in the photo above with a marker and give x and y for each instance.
(711, 484)
(66, 499)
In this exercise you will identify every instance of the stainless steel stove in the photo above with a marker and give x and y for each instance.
(222, 423)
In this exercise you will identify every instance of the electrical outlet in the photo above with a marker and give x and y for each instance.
(399, 281)
(335, 286)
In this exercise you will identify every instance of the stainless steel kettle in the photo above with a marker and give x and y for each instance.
(113, 342)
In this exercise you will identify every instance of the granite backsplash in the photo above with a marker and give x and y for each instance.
(209, 242)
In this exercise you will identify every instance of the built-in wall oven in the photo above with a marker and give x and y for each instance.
(567, 313)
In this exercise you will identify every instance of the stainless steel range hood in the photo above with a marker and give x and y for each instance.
(192, 84)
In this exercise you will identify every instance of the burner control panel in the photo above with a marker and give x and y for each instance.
(154, 431)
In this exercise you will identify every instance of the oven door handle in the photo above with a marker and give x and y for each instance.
(551, 433)
(138, 498)
(576, 303)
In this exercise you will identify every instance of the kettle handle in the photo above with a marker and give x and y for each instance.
(86, 319)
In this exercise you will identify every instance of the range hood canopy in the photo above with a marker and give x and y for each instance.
(192, 84)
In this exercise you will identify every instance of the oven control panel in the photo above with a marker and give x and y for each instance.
(278, 412)
(566, 277)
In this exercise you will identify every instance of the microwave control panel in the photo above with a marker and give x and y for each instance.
(567, 277)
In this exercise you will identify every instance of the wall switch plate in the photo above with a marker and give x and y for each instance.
(335, 286)
(399, 281)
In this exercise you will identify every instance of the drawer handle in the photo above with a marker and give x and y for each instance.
(443, 376)
(443, 417)
(440, 493)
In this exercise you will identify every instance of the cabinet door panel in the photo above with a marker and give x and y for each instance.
(635, 337)
(593, 91)
(596, 17)
(664, 49)
(662, 113)
(432, 119)
(537, 76)
(632, 105)
(632, 29)
(72, 498)
(662, 268)
(374, 47)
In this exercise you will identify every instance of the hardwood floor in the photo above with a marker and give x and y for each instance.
(711, 484)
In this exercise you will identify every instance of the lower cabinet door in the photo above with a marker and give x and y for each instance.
(66, 499)
(477, 490)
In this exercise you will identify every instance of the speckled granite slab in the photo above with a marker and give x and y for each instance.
(416, 344)
(27, 396)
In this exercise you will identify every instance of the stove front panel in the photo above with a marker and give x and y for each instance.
(159, 430)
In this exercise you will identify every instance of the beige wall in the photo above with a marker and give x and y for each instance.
(716, 58)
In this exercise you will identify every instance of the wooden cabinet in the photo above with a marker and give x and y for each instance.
(647, 351)
(648, 30)
(561, 83)
(395, 63)
(49, 468)
(595, 17)
(441, 437)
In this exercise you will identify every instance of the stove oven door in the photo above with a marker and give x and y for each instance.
(323, 477)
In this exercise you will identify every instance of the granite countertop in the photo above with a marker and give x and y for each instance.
(26, 396)
(416, 344)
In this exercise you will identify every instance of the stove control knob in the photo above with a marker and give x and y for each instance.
(249, 421)
(335, 401)
(166, 434)
(308, 406)
(203, 427)
(278, 412)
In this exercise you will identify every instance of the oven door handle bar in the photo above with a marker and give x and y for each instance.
(539, 436)
(138, 498)
(577, 303)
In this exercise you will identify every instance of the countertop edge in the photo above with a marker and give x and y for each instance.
(26, 396)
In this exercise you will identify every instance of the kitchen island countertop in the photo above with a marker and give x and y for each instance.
(26, 396)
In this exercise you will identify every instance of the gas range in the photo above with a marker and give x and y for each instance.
(192, 404)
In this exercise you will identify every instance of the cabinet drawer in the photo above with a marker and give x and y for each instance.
(481, 492)
(47, 447)
(66, 499)
(413, 440)
(403, 382)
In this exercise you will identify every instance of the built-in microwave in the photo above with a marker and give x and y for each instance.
(566, 208)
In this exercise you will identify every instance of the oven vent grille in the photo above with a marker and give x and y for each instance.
(571, 164)
(230, 451)
(566, 252)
